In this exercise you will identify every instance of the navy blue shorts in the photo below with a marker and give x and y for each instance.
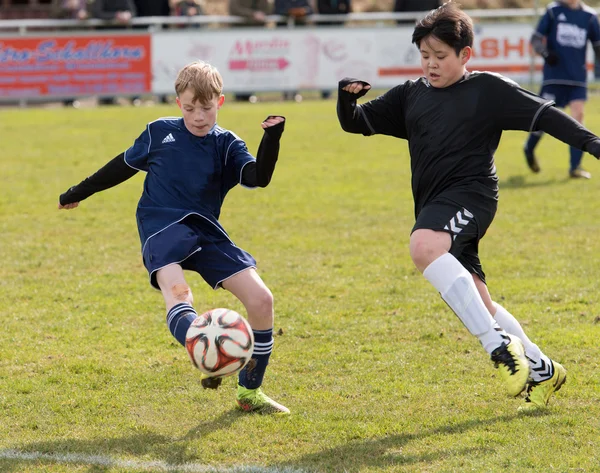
(563, 95)
(466, 218)
(188, 243)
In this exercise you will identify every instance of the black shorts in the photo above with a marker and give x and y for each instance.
(466, 217)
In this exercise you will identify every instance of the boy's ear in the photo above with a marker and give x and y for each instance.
(466, 54)
(221, 101)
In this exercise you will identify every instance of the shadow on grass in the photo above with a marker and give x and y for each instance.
(385, 452)
(520, 182)
(153, 452)
(149, 451)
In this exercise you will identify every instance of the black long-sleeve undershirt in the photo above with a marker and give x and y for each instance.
(111, 174)
(551, 120)
(561, 126)
(116, 171)
(259, 173)
(347, 109)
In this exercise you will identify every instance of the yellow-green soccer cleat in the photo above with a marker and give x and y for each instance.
(254, 400)
(539, 392)
(210, 382)
(512, 365)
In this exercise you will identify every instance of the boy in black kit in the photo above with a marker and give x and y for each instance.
(453, 120)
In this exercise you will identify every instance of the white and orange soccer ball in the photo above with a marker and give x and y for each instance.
(220, 342)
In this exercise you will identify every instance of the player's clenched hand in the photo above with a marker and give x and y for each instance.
(551, 58)
(593, 147)
(272, 120)
(68, 206)
(273, 126)
(357, 88)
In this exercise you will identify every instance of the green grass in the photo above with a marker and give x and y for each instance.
(379, 374)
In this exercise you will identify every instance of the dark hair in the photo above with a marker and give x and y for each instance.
(447, 23)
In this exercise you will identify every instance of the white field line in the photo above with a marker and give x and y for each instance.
(151, 466)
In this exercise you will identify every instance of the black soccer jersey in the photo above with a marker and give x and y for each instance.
(452, 132)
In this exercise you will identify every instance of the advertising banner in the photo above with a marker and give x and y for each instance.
(317, 58)
(71, 66)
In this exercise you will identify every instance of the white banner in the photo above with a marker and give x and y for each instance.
(253, 60)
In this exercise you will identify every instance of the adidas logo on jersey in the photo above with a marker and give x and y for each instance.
(168, 139)
(562, 17)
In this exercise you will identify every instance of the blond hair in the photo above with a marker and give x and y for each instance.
(202, 79)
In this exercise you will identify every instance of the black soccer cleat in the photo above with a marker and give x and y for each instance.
(531, 161)
(210, 382)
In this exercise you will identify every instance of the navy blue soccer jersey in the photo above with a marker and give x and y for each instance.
(186, 174)
(567, 32)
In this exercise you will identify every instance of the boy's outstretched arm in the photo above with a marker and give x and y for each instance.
(111, 174)
(349, 91)
(259, 173)
(561, 126)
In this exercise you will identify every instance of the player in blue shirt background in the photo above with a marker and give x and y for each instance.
(191, 164)
(561, 38)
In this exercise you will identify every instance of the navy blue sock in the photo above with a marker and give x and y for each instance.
(576, 157)
(251, 376)
(533, 140)
(179, 319)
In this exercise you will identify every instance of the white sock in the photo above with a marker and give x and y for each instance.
(541, 366)
(456, 286)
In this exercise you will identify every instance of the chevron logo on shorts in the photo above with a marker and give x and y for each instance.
(458, 222)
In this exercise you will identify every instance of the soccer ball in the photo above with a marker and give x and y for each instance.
(219, 342)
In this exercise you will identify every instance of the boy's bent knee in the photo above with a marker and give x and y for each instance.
(262, 302)
(426, 246)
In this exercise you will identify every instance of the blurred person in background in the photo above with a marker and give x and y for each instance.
(153, 7)
(73, 10)
(332, 7)
(147, 8)
(120, 12)
(561, 38)
(254, 13)
(414, 6)
(298, 10)
(187, 8)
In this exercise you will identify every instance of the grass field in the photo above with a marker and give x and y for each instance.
(379, 374)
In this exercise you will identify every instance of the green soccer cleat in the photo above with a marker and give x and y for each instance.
(539, 392)
(209, 382)
(512, 365)
(254, 400)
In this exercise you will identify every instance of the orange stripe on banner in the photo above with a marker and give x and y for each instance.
(417, 71)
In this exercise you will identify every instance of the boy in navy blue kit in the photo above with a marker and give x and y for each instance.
(191, 164)
(453, 120)
(561, 38)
